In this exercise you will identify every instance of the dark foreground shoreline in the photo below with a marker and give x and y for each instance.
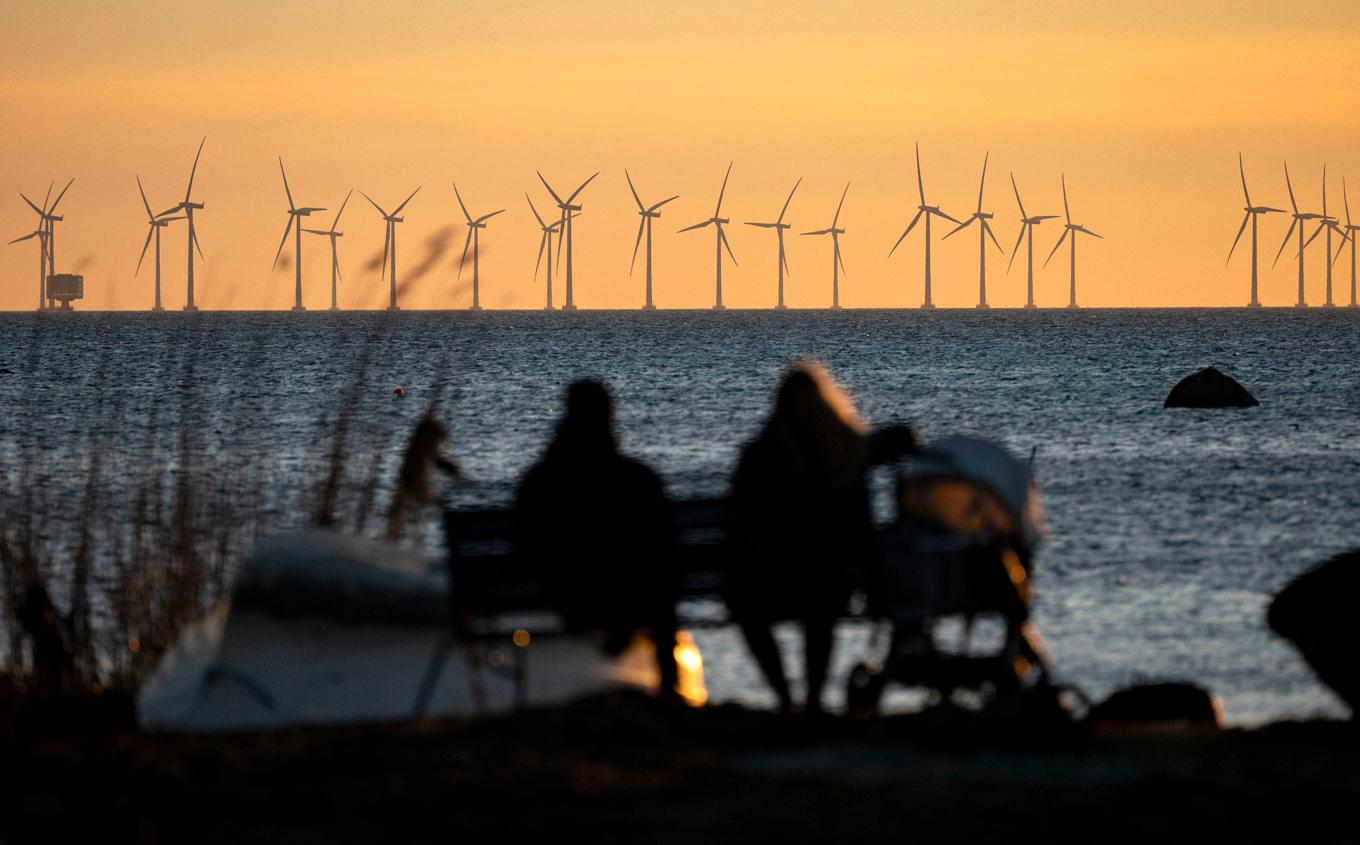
(627, 769)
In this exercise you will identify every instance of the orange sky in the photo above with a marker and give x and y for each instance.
(1145, 108)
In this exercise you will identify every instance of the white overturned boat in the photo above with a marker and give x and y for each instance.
(321, 628)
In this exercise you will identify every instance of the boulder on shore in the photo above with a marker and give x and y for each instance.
(1209, 388)
(1316, 612)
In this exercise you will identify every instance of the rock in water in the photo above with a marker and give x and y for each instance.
(1209, 388)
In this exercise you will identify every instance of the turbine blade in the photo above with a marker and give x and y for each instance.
(577, 192)
(1240, 229)
(942, 213)
(387, 242)
(699, 225)
(1066, 211)
(1290, 185)
(542, 243)
(783, 257)
(282, 242)
(25, 237)
(636, 198)
(537, 216)
(370, 199)
(642, 224)
(1023, 215)
(920, 183)
(983, 183)
(57, 202)
(1339, 247)
(145, 204)
(762, 225)
(1345, 198)
(170, 211)
(48, 197)
(198, 246)
(398, 209)
(486, 217)
(1242, 170)
(1062, 238)
(836, 219)
(986, 227)
(1086, 231)
(336, 221)
(1015, 251)
(150, 230)
(1287, 235)
(722, 236)
(836, 245)
(193, 170)
(780, 218)
(553, 193)
(467, 242)
(910, 226)
(286, 190)
(460, 202)
(1312, 237)
(818, 232)
(717, 212)
(35, 208)
(663, 202)
(959, 228)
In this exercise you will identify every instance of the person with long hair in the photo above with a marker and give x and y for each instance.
(800, 521)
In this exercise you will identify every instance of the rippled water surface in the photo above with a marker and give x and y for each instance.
(1170, 528)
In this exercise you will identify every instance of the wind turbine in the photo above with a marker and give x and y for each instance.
(545, 242)
(1074, 230)
(47, 219)
(984, 232)
(779, 226)
(42, 234)
(927, 211)
(1351, 230)
(294, 213)
(718, 221)
(154, 226)
(568, 212)
(189, 207)
(390, 244)
(647, 213)
(473, 237)
(1252, 212)
(836, 264)
(332, 233)
(1300, 220)
(1328, 224)
(1027, 225)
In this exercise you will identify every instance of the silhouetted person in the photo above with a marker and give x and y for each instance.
(422, 458)
(799, 521)
(599, 524)
(1316, 612)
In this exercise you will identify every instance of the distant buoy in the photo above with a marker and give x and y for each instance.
(400, 391)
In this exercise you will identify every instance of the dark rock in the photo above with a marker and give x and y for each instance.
(1209, 388)
(1316, 612)
(1164, 703)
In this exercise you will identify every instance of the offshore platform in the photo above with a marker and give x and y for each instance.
(64, 288)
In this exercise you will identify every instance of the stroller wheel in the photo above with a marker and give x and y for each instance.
(863, 690)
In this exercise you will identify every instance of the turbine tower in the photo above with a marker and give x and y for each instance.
(647, 213)
(154, 226)
(333, 233)
(545, 242)
(294, 215)
(189, 207)
(837, 265)
(1027, 225)
(927, 211)
(390, 244)
(1329, 225)
(781, 264)
(1252, 212)
(984, 232)
(1351, 230)
(1300, 220)
(568, 212)
(473, 237)
(1073, 229)
(720, 241)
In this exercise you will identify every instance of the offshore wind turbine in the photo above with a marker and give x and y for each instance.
(927, 211)
(984, 232)
(1300, 220)
(545, 242)
(1351, 232)
(47, 220)
(390, 244)
(294, 215)
(42, 234)
(837, 265)
(568, 212)
(189, 207)
(334, 233)
(718, 221)
(782, 263)
(473, 237)
(1329, 225)
(1252, 212)
(1027, 225)
(648, 214)
(154, 226)
(1072, 229)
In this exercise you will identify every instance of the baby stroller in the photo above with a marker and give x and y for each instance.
(969, 519)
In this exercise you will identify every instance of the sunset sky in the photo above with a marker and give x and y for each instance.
(1144, 106)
